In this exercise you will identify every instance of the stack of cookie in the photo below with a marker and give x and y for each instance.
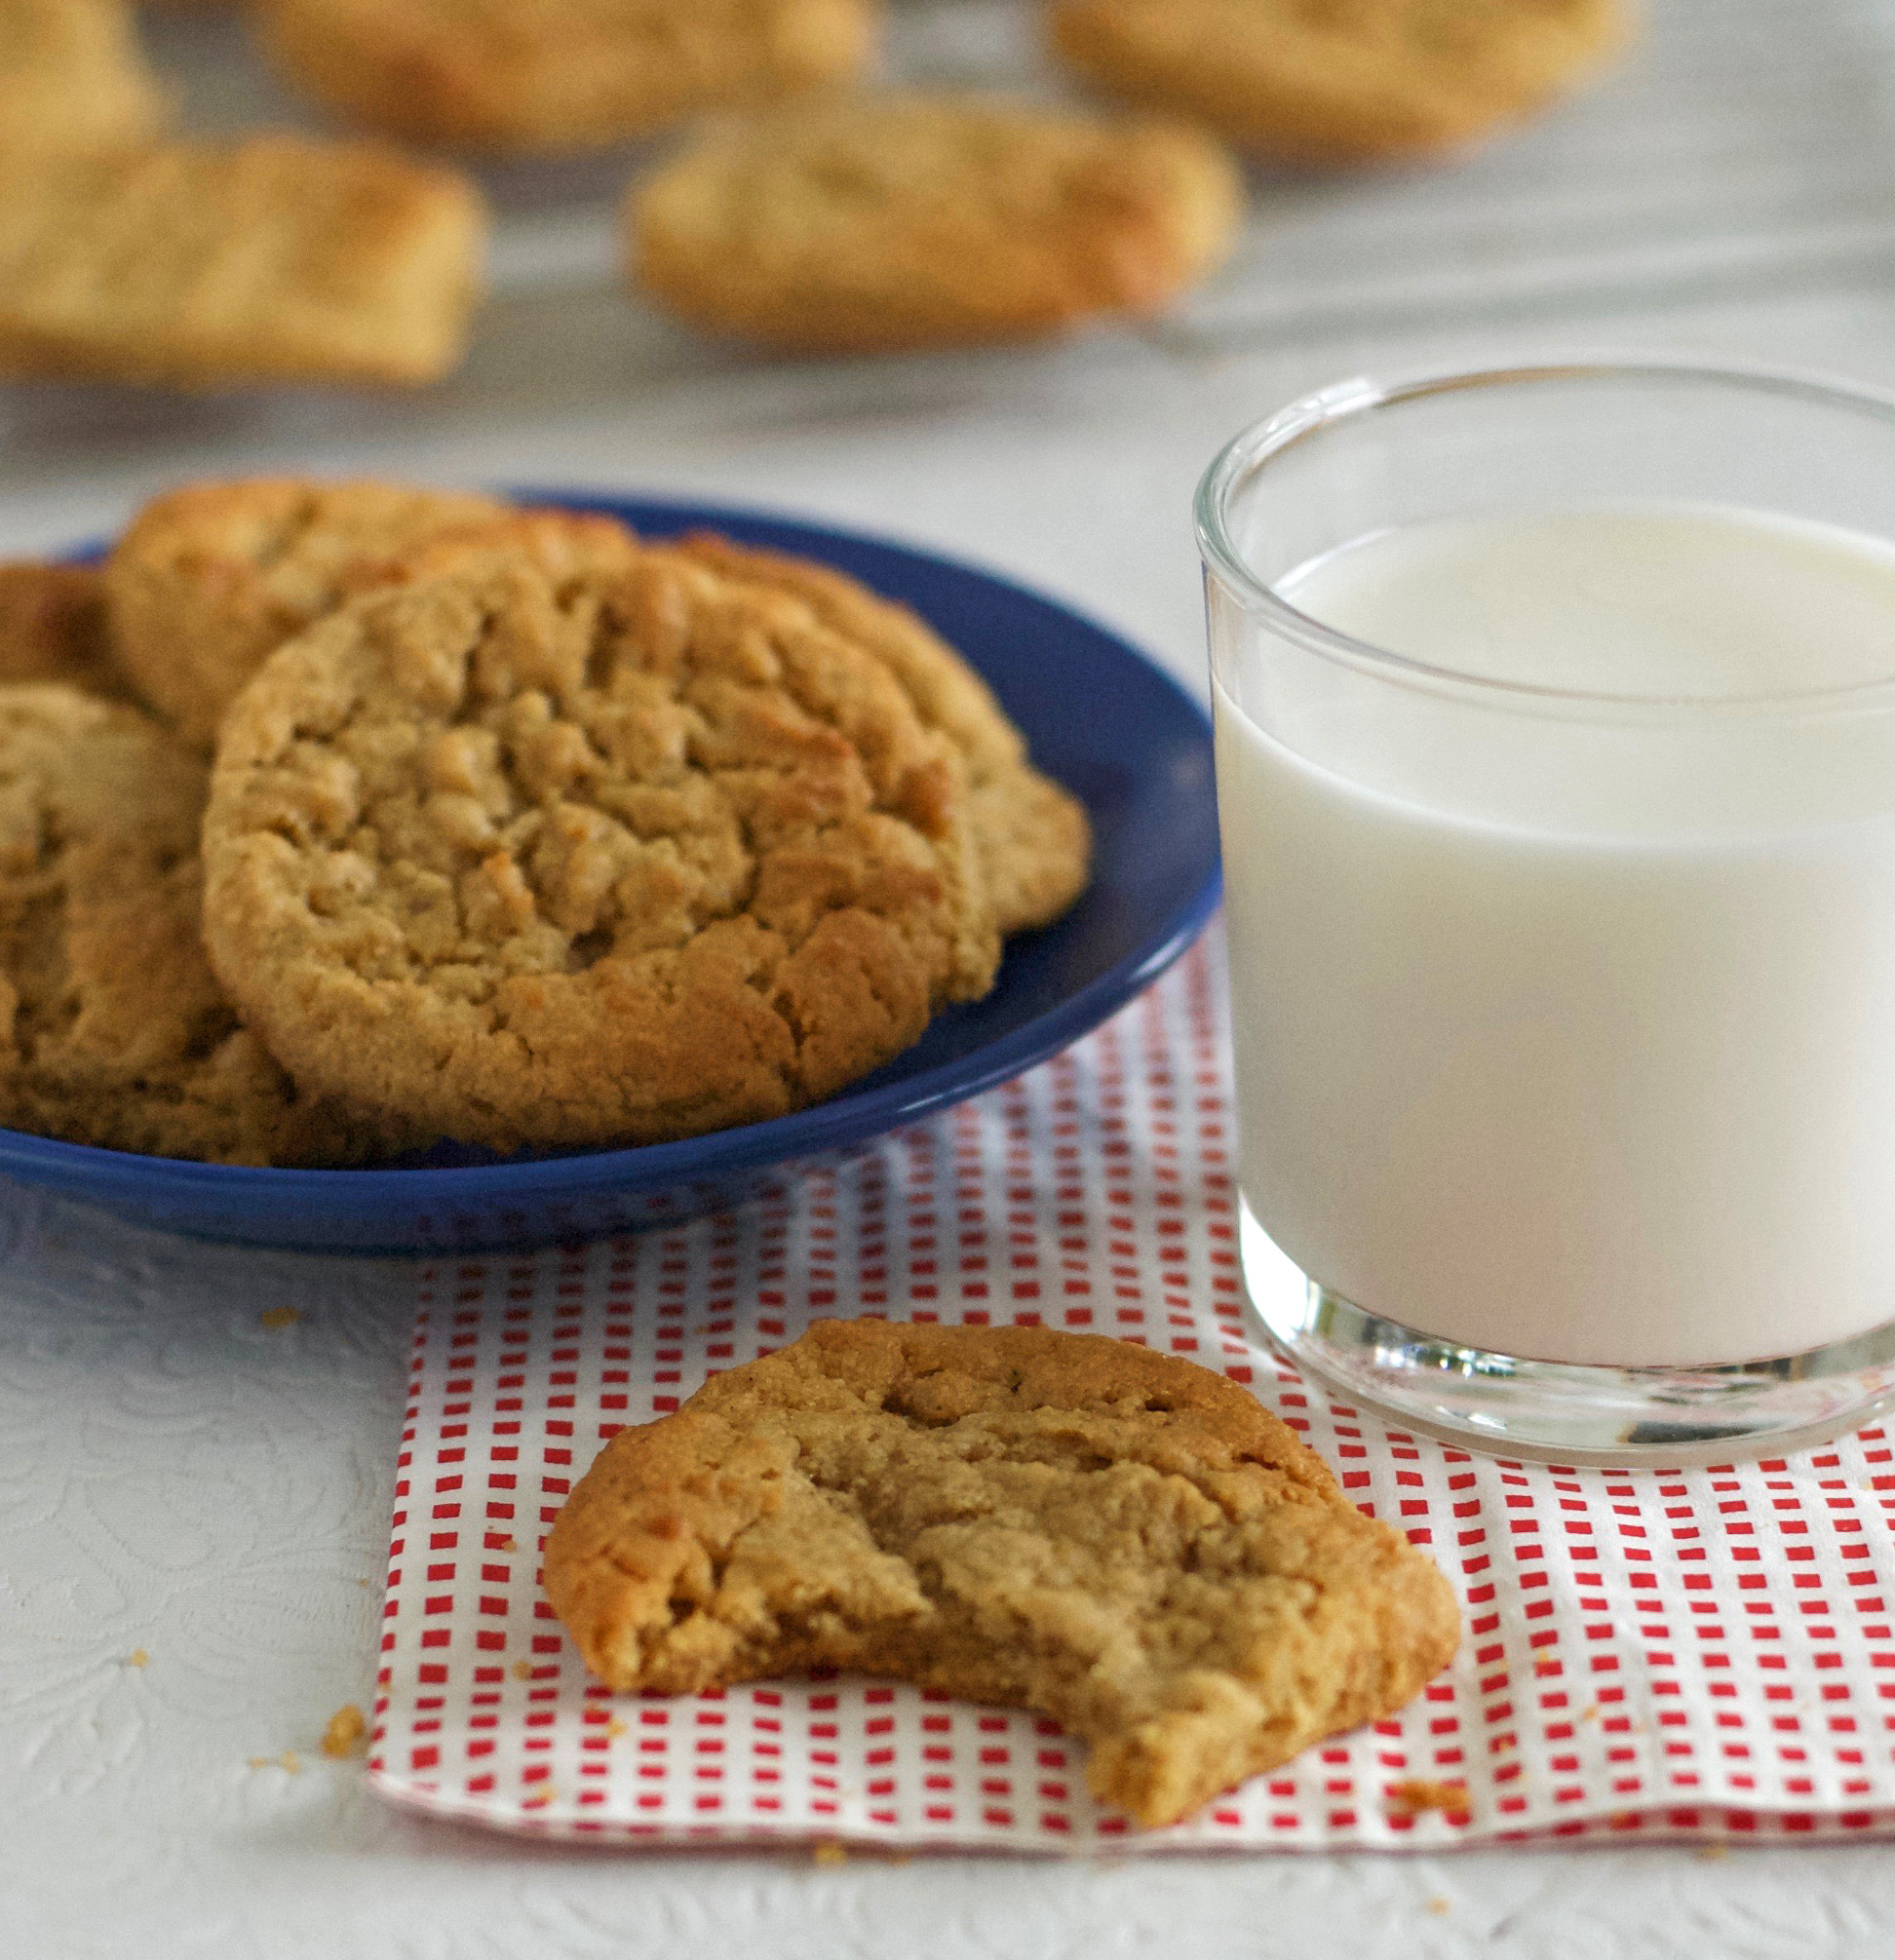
(454, 819)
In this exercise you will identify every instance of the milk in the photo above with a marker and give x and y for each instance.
(1567, 1028)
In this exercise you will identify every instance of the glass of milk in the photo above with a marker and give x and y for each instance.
(1555, 771)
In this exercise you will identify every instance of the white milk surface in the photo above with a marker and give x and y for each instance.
(1572, 1033)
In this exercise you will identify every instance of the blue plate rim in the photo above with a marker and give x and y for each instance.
(853, 1117)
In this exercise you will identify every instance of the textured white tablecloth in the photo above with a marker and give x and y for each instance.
(180, 1478)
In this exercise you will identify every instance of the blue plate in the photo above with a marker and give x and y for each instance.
(1099, 715)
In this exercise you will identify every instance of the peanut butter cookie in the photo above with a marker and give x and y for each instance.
(72, 78)
(113, 1030)
(908, 221)
(52, 627)
(210, 579)
(208, 266)
(608, 858)
(550, 75)
(1034, 841)
(1338, 81)
(1118, 1539)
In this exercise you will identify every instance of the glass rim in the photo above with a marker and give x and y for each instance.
(1254, 446)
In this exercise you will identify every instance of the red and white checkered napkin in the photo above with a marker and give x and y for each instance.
(1696, 1653)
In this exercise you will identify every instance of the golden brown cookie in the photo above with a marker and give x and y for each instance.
(607, 858)
(210, 578)
(1118, 1539)
(72, 78)
(52, 626)
(1338, 81)
(1034, 841)
(550, 75)
(208, 266)
(113, 1031)
(904, 222)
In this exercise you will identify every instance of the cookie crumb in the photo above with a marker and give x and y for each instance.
(523, 1671)
(828, 1852)
(1590, 1712)
(289, 1761)
(137, 1658)
(1713, 1853)
(1419, 1793)
(274, 1318)
(539, 1798)
(346, 1729)
(616, 1728)
(508, 1545)
(1440, 1906)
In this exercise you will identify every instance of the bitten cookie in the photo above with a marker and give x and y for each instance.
(533, 75)
(72, 78)
(1117, 1539)
(604, 860)
(52, 627)
(113, 1031)
(907, 221)
(1342, 82)
(1034, 841)
(209, 578)
(206, 265)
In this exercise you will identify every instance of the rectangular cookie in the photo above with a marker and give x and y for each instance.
(275, 258)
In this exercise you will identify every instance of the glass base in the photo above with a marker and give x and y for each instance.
(1557, 1412)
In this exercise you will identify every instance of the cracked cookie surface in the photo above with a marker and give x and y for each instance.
(113, 1031)
(1335, 81)
(210, 579)
(1121, 1540)
(1033, 836)
(608, 857)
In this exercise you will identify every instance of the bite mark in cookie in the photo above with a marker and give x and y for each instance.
(1118, 1539)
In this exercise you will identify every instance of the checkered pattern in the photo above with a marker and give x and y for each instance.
(1651, 1653)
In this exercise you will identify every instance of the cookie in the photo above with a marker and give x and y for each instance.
(908, 221)
(209, 578)
(605, 860)
(553, 75)
(1344, 80)
(1033, 838)
(1118, 1539)
(72, 78)
(52, 627)
(208, 265)
(113, 1030)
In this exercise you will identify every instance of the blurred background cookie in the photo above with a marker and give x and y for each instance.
(114, 1030)
(276, 257)
(72, 78)
(916, 220)
(1340, 80)
(207, 580)
(54, 627)
(550, 75)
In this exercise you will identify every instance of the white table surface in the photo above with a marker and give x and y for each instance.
(179, 1478)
